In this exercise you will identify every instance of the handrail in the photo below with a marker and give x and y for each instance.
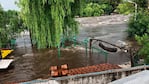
(105, 42)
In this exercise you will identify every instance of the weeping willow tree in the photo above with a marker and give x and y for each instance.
(50, 20)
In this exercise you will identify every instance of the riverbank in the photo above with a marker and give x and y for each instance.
(30, 61)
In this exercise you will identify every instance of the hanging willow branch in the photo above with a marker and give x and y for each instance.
(49, 20)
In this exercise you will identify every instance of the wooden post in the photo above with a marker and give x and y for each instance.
(131, 57)
(90, 44)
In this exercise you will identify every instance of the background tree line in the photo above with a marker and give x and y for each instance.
(10, 25)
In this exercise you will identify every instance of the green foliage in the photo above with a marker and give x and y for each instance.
(111, 5)
(14, 22)
(49, 20)
(9, 26)
(77, 7)
(112, 2)
(125, 8)
(141, 3)
(144, 42)
(94, 9)
(88, 11)
(107, 8)
(140, 25)
(140, 29)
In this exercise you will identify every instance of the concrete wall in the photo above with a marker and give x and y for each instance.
(103, 77)
(100, 77)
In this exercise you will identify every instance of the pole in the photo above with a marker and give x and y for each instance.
(90, 44)
(59, 51)
(135, 11)
(135, 8)
(108, 43)
(90, 47)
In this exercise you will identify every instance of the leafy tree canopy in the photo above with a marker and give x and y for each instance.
(10, 25)
(50, 20)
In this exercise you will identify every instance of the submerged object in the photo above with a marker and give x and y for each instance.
(109, 49)
(5, 52)
(4, 63)
(58, 71)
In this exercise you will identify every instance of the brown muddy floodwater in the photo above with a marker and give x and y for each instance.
(31, 63)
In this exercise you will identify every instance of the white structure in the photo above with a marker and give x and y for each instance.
(138, 78)
(4, 63)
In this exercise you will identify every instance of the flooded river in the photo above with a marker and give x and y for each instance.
(31, 63)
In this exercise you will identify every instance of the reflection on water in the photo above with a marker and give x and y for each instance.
(31, 63)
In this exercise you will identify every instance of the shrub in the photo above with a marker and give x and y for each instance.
(140, 29)
(93, 9)
(144, 42)
(87, 11)
(107, 8)
(142, 3)
(139, 26)
(125, 8)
